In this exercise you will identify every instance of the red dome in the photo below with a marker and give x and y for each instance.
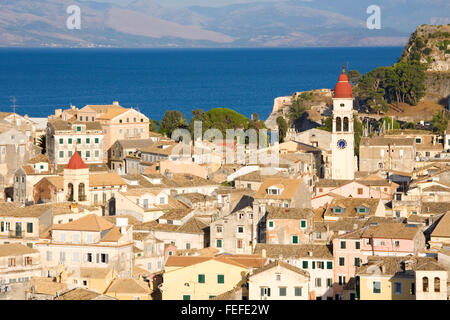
(76, 162)
(343, 88)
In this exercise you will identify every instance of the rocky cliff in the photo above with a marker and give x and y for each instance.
(431, 45)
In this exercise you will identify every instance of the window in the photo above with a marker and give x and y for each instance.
(188, 246)
(104, 258)
(295, 239)
(240, 229)
(337, 210)
(265, 292)
(361, 210)
(185, 296)
(88, 140)
(78, 128)
(329, 265)
(437, 284)
(30, 227)
(318, 282)
(78, 140)
(220, 278)
(376, 287)
(49, 256)
(239, 244)
(61, 154)
(282, 292)
(360, 191)
(11, 262)
(62, 256)
(329, 282)
(343, 245)
(297, 291)
(357, 262)
(418, 140)
(96, 140)
(396, 243)
(341, 261)
(61, 141)
(278, 276)
(357, 245)
(201, 278)
(89, 257)
(219, 243)
(303, 224)
(413, 289)
(88, 154)
(219, 229)
(397, 287)
(270, 224)
(305, 265)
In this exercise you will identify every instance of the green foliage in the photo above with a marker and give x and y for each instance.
(282, 128)
(42, 143)
(388, 120)
(358, 127)
(172, 120)
(404, 82)
(154, 126)
(439, 122)
(327, 124)
(408, 125)
(427, 51)
(443, 44)
(296, 110)
(354, 77)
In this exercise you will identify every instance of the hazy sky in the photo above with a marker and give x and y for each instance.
(187, 3)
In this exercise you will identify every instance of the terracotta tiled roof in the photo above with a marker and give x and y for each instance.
(38, 159)
(442, 229)
(288, 251)
(47, 286)
(106, 179)
(290, 186)
(392, 231)
(90, 222)
(15, 249)
(395, 265)
(384, 141)
(351, 206)
(289, 213)
(128, 286)
(282, 264)
(94, 273)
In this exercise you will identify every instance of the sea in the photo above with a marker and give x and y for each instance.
(37, 81)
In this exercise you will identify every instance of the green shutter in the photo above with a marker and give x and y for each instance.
(219, 243)
(305, 265)
(220, 278)
(329, 265)
(313, 264)
(303, 223)
(186, 297)
(294, 239)
(70, 140)
(271, 224)
(96, 140)
(201, 278)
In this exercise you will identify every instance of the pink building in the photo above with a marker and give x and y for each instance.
(388, 239)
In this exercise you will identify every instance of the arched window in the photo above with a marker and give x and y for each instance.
(70, 192)
(425, 284)
(338, 124)
(437, 284)
(81, 196)
(345, 124)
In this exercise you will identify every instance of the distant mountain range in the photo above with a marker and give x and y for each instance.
(145, 23)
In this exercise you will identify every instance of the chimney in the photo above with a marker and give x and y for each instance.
(264, 253)
(123, 224)
(74, 207)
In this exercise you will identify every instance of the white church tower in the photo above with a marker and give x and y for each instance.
(342, 138)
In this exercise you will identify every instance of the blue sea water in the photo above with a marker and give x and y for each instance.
(155, 80)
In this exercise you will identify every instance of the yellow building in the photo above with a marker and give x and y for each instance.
(392, 278)
(203, 278)
(95, 279)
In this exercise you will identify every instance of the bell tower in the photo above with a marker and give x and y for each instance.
(342, 138)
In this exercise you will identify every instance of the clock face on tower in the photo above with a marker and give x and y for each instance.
(342, 144)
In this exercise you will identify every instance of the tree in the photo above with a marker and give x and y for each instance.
(42, 143)
(354, 77)
(172, 120)
(389, 123)
(296, 110)
(282, 128)
(439, 122)
(154, 125)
